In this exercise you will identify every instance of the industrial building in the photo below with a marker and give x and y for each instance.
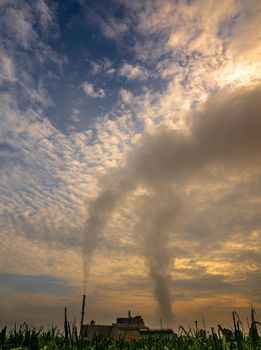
(125, 327)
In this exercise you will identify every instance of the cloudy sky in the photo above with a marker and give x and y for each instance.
(130, 145)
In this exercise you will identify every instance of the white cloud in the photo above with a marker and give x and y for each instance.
(100, 66)
(111, 71)
(19, 25)
(133, 72)
(126, 96)
(76, 114)
(113, 29)
(89, 90)
(46, 16)
(110, 27)
(7, 70)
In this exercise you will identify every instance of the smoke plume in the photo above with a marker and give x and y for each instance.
(159, 213)
(226, 130)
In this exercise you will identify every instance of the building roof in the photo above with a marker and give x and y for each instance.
(137, 320)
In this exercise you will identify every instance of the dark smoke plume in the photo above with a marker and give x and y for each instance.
(158, 216)
(226, 130)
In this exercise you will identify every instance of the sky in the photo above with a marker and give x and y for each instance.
(130, 144)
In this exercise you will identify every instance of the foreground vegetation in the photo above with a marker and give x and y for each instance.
(221, 339)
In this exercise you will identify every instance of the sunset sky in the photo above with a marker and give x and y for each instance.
(130, 147)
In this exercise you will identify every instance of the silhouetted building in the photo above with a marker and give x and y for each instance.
(125, 327)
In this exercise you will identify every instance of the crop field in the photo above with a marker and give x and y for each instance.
(25, 337)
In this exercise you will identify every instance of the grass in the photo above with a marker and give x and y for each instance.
(25, 337)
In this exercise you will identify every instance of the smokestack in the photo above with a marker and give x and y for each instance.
(83, 309)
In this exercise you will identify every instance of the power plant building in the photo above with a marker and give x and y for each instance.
(125, 327)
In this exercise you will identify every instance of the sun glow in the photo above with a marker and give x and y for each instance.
(240, 75)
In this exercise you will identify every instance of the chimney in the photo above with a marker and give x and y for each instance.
(83, 309)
